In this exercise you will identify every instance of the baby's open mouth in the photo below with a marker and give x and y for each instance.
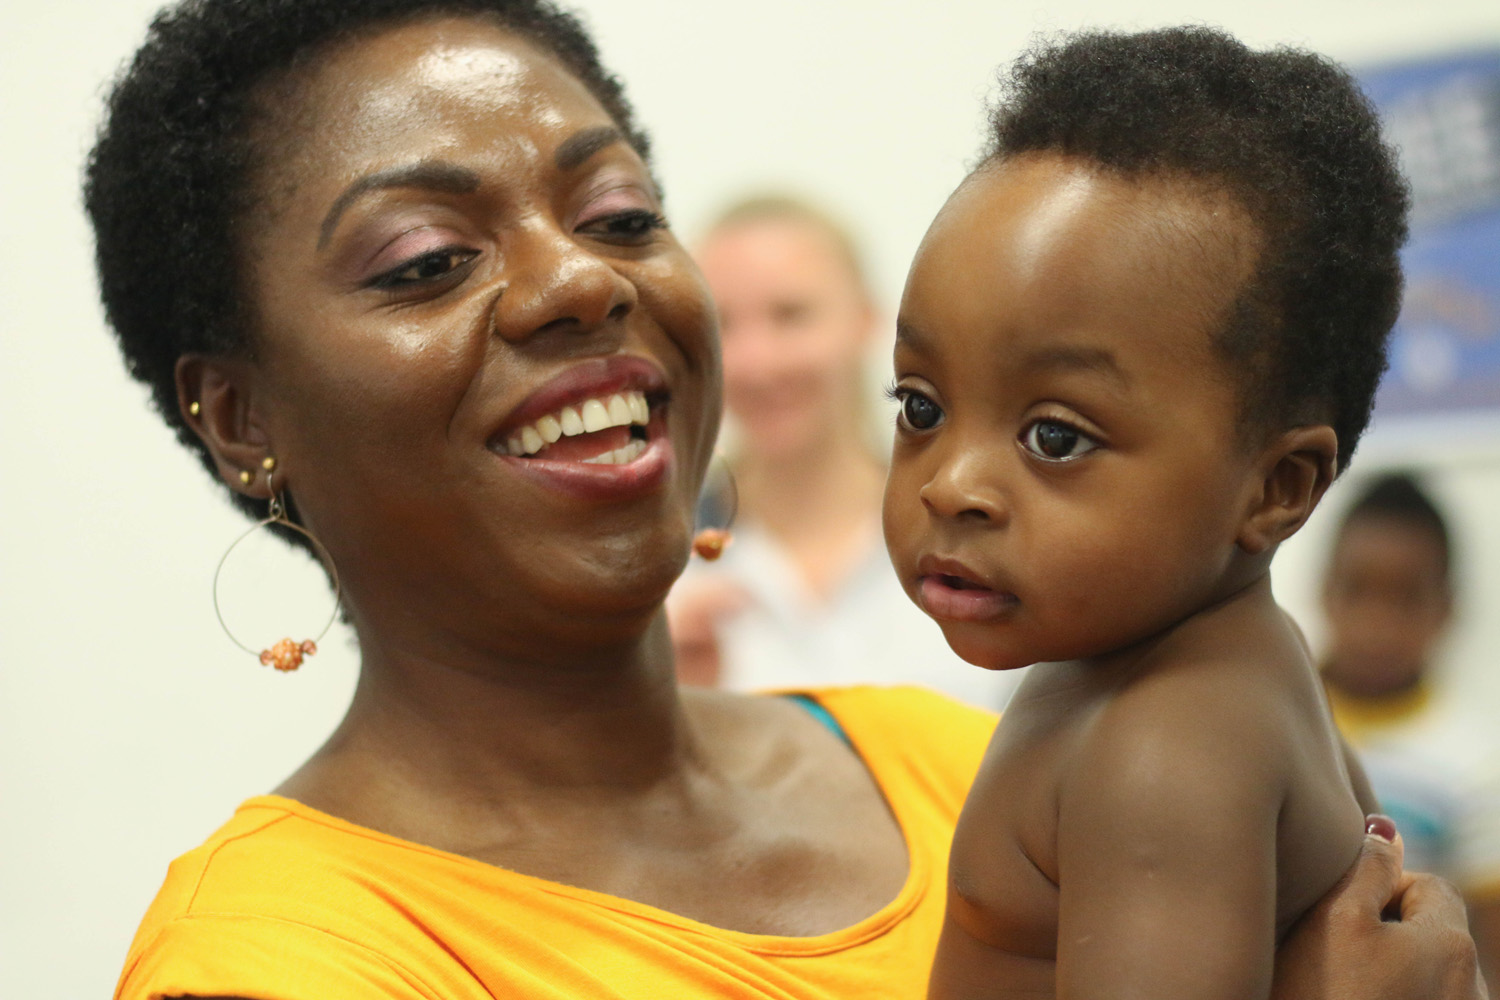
(605, 430)
(947, 597)
(959, 583)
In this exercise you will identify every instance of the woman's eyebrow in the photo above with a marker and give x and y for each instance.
(578, 147)
(434, 174)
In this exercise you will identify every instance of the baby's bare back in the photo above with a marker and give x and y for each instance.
(1151, 824)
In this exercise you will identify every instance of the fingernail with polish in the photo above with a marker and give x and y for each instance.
(1380, 826)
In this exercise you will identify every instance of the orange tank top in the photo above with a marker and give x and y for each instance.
(290, 903)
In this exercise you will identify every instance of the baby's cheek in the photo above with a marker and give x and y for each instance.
(899, 515)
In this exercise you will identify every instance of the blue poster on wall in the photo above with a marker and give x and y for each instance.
(1444, 115)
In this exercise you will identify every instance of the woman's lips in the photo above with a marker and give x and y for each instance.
(644, 474)
(594, 378)
(953, 598)
(608, 455)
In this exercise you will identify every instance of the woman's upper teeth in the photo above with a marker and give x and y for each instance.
(618, 410)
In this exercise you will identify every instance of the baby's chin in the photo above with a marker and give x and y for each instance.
(987, 651)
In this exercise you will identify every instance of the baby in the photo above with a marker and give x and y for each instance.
(1135, 347)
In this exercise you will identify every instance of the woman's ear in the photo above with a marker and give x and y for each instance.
(1296, 469)
(216, 396)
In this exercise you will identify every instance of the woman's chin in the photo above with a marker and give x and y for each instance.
(631, 575)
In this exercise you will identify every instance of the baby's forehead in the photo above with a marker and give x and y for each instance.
(1046, 243)
(1046, 206)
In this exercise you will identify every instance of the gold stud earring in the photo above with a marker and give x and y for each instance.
(195, 408)
(245, 476)
(268, 463)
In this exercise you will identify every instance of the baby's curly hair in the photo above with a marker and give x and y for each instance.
(168, 183)
(1289, 134)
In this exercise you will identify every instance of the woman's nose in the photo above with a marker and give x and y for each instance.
(966, 486)
(557, 283)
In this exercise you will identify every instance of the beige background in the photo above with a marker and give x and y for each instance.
(129, 727)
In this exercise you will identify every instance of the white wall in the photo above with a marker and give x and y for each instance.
(129, 727)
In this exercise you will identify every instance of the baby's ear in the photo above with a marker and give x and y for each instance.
(216, 398)
(1295, 470)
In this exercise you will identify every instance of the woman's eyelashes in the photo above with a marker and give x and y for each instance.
(619, 209)
(425, 269)
(437, 267)
(1056, 441)
(633, 226)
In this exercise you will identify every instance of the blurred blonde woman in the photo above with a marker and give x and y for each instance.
(805, 595)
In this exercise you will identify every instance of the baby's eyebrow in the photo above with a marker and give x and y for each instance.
(1066, 358)
(909, 336)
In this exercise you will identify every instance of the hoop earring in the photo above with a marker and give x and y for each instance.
(709, 543)
(284, 654)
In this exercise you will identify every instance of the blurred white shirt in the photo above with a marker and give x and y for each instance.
(1434, 764)
(867, 632)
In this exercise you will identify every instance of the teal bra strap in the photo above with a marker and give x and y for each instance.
(817, 711)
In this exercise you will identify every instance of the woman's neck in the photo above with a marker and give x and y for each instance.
(424, 738)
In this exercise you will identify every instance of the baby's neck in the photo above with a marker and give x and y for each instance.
(1231, 617)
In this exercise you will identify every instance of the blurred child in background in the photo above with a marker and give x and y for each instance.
(1388, 599)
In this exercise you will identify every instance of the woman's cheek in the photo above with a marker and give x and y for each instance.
(673, 292)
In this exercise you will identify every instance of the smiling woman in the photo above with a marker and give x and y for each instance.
(408, 257)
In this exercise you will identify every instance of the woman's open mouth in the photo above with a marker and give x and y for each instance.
(597, 431)
(605, 430)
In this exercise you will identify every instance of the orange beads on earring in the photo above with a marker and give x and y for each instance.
(287, 655)
(710, 543)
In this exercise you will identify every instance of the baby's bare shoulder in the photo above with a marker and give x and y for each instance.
(1213, 717)
(1209, 756)
(1206, 733)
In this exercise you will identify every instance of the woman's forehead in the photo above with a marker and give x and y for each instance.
(462, 91)
(397, 92)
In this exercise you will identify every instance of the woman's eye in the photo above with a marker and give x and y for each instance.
(918, 413)
(634, 226)
(427, 267)
(1055, 441)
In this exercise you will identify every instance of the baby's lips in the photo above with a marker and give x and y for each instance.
(969, 604)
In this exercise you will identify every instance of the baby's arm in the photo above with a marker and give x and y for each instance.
(1357, 777)
(1358, 780)
(1166, 842)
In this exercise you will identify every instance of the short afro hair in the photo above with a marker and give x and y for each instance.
(1289, 135)
(168, 182)
(1397, 496)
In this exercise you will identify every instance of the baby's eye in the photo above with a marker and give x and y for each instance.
(918, 413)
(427, 267)
(1055, 441)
